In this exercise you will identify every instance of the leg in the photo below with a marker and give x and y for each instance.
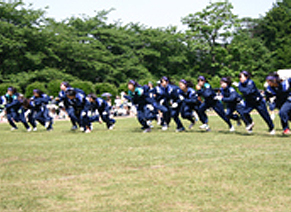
(262, 109)
(284, 114)
(218, 107)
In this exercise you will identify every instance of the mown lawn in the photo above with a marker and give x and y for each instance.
(126, 170)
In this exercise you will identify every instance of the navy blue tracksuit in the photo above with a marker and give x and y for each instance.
(283, 100)
(158, 94)
(104, 111)
(190, 103)
(172, 94)
(208, 93)
(254, 100)
(14, 111)
(140, 98)
(77, 109)
(63, 98)
(39, 111)
(234, 102)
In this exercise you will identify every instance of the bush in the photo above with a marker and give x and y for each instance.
(36, 85)
(122, 87)
(4, 87)
(53, 87)
(105, 87)
(86, 86)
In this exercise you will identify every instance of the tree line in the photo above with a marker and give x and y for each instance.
(36, 50)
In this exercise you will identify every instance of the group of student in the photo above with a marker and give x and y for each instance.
(167, 101)
(77, 104)
(162, 103)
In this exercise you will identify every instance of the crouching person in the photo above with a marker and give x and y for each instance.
(78, 107)
(103, 109)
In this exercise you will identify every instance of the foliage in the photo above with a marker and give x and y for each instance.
(36, 85)
(86, 86)
(101, 88)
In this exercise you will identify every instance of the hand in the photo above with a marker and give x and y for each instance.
(219, 98)
(150, 107)
(181, 97)
(100, 121)
(198, 87)
(174, 105)
(57, 99)
(83, 114)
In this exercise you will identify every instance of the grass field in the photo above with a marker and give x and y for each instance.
(126, 170)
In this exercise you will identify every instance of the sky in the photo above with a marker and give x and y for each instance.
(151, 13)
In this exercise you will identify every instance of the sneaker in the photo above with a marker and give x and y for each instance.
(165, 127)
(74, 127)
(34, 129)
(250, 126)
(204, 127)
(286, 132)
(191, 126)
(29, 129)
(13, 128)
(182, 129)
(232, 129)
(88, 130)
(47, 124)
(82, 129)
(111, 127)
(272, 132)
(147, 130)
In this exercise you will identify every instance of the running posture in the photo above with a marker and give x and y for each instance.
(204, 90)
(281, 90)
(234, 102)
(254, 100)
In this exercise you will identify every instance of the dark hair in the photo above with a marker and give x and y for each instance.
(274, 77)
(188, 83)
(39, 92)
(66, 84)
(245, 73)
(92, 95)
(227, 80)
(167, 79)
(134, 83)
(26, 103)
(71, 92)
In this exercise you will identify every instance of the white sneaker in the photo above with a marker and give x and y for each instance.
(34, 129)
(13, 128)
(165, 127)
(82, 129)
(250, 126)
(88, 131)
(111, 127)
(204, 126)
(232, 129)
(273, 132)
(29, 129)
(147, 130)
(47, 124)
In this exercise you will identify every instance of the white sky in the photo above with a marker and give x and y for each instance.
(152, 13)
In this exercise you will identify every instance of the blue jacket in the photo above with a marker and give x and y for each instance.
(139, 97)
(230, 96)
(99, 104)
(158, 93)
(207, 93)
(190, 97)
(172, 93)
(282, 92)
(250, 91)
(38, 102)
(79, 103)
(63, 98)
(10, 102)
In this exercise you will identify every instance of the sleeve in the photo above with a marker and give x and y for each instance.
(12, 104)
(232, 97)
(251, 88)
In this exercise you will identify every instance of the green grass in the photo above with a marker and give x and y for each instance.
(126, 170)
